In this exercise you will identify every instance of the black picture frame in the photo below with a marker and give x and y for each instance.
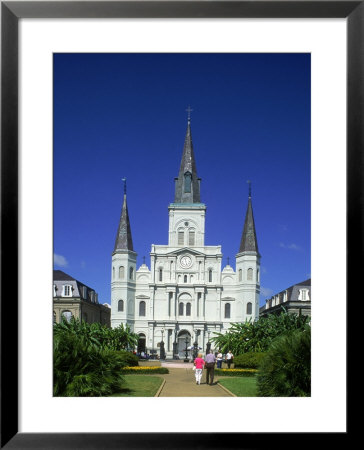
(11, 13)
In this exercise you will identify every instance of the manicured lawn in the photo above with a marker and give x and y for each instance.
(140, 386)
(240, 386)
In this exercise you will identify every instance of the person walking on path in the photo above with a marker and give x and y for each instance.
(210, 367)
(199, 363)
(229, 358)
(219, 359)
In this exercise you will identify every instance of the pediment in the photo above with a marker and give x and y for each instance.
(184, 250)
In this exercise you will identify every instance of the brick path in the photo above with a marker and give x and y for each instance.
(181, 382)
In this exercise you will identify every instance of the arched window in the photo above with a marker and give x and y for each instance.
(180, 309)
(181, 236)
(113, 272)
(240, 275)
(191, 237)
(160, 274)
(131, 273)
(250, 274)
(210, 275)
(142, 308)
(188, 309)
(185, 279)
(227, 311)
(120, 305)
(249, 308)
(67, 315)
(121, 272)
(188, 182)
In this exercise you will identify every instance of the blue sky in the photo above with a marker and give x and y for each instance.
(123, 115)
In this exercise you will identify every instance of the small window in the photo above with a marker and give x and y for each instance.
(120, 305)
(240, 275)
(54, 317)
(142, 308)
(188, 309)
(210, 275)
(113, 273)
(180, 309)
(249, 308)
(84, 292)
(131, 273)
(54, 290)
(191, 238)
(84, 317)
(181, 237)
(121, 272)
(185, 279)
(67, 290)
(188, 179)
(227, 311)
(160, 274)
(250, 274)
(258, 275)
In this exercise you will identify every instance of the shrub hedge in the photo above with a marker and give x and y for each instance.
(250, 360)
(236, 372)
(129, 358)
(145, 370)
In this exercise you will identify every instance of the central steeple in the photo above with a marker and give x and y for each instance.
(187, 184)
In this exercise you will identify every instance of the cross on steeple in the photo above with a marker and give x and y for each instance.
(189, 110)
(250, 188)
(124, 180)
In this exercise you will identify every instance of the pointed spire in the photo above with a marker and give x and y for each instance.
(248, 241)
(123, 239)
(187, 183)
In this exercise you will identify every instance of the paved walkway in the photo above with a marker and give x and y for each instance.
(181, 382)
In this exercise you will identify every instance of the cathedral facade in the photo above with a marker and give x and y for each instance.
(185, 296)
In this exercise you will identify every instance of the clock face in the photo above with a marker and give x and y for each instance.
(185, 262)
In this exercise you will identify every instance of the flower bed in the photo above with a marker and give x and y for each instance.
(236, 372)
(145, 370)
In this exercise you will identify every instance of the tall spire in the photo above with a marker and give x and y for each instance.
(123, 239)
(187, 188)
(248, 241)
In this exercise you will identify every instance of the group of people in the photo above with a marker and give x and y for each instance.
(209, 364)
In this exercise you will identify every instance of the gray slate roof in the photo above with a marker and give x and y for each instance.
(188, 164)
(249, 241)
(124, 239)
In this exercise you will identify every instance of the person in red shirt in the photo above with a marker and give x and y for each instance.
(199, 364)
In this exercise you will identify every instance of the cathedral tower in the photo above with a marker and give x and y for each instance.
(123, 269)
(248, 265)
(187, 214)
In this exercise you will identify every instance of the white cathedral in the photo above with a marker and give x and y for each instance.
(184, 297)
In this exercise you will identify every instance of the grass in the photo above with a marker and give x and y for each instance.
(240, 386)
(140, 386)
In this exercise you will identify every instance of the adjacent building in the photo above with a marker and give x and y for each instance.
(185, 294)
(295, 299)
(71, 298)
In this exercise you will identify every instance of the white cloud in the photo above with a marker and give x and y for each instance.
(60, 260)
(266, 292)
(290, 246)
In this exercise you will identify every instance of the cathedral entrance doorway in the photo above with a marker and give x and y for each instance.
(141, 343)
(182, 335)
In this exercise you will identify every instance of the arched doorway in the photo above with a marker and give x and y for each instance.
(181, 339)
(141, 343)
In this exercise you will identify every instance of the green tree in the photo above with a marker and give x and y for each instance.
(256, 336)
(285, 371)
